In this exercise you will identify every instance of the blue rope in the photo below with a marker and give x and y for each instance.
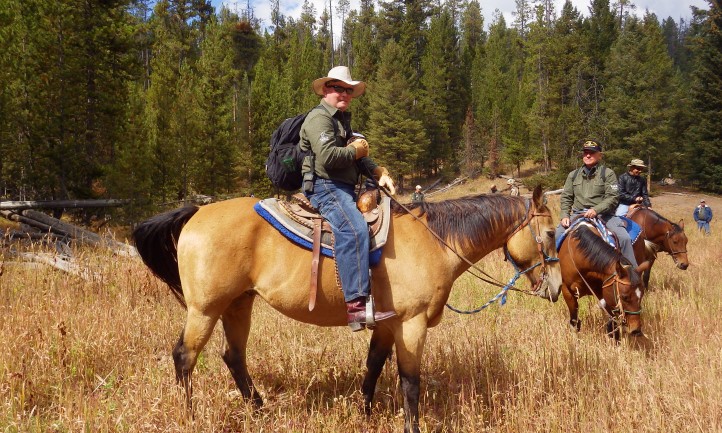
(502, 294)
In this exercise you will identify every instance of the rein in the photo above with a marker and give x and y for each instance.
(493, 281)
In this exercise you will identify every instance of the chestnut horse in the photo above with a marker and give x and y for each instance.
(219, 258)
(658, 234)
(590, 266)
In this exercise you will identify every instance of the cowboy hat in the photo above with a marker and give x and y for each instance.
(637, 163)
(418, 186)
(339, 73)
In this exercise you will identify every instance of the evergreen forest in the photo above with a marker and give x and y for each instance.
(159, 101)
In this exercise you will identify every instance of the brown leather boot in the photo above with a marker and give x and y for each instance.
(360, 314)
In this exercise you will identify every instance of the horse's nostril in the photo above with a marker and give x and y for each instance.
(682, 266)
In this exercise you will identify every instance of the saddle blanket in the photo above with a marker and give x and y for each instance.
(633, 229)
(270, 210)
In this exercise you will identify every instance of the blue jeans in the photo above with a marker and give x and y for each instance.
(622, 210)
(703, 225)
(337, 203)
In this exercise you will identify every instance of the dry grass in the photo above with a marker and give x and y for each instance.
(81, 356)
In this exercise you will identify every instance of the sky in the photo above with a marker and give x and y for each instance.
(662, 8)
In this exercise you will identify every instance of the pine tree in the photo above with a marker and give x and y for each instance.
(397, 139)
(638, 100)
(704, 143)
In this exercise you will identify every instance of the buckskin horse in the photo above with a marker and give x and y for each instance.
(590, 266)
(658, 234)
(217, 259)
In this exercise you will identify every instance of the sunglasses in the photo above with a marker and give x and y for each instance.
(341, 89)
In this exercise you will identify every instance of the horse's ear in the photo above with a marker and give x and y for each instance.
(681, 224)
(537, 197)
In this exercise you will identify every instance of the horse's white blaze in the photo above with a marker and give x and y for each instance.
(602, 304)
(639, 293)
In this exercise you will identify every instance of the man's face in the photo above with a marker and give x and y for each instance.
(338, 94)
(590, 158)
(635, 171)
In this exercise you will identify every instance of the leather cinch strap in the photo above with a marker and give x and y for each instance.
(317, 222)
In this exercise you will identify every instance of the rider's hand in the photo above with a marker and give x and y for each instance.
(590, 213)
(384, 179)
(565, 222)
(361, 146)
(639, 199)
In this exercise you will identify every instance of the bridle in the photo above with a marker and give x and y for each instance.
(543, 257)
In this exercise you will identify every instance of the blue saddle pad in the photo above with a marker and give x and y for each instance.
(374, 256)
(633, 229)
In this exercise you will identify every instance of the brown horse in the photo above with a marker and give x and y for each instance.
(590, 266)
(218, 258)
(658, 234)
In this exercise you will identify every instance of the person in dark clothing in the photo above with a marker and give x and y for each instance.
(632, 187)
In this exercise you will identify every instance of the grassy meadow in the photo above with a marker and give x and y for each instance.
(95, 356)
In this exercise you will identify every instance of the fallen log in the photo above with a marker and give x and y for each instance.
(60, 204)
(65, 264)
(48, 224)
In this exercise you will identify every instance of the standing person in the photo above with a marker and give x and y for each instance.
(632, 187)
(703, 215)
(330, 177)
(591, 191)
(417, 196)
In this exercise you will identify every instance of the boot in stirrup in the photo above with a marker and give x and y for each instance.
(360, 314)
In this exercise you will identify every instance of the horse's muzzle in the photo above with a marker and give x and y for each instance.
(683, 266)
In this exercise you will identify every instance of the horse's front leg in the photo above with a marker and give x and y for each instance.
(410, 339)
(382, 341)
(196, 333)
(572, 301)
(237, 325)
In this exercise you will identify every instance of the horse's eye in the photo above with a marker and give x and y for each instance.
(550, 234)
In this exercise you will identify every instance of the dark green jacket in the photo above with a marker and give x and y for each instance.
(587, 190)
(333, 159)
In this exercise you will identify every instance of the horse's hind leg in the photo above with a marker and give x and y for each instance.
(195, 335)
(382, 342)
(237, 324)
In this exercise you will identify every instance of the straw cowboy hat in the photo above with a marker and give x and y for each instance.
(637, 163)
(339, 73)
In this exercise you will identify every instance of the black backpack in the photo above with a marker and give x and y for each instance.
(285, 160)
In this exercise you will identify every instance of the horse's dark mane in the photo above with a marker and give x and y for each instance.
(675, 227)
(472, 220)
(600, 254)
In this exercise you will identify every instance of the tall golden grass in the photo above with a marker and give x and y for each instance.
(94, 356)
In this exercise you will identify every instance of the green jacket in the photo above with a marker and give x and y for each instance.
(333, 160)
(587, 190)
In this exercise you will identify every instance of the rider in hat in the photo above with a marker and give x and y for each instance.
(339, 158)
(632, 187)
(591, 191)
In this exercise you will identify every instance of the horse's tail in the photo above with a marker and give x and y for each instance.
(156, 240)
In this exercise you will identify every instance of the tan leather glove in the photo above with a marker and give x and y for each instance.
(361, 146)
(382, 175)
